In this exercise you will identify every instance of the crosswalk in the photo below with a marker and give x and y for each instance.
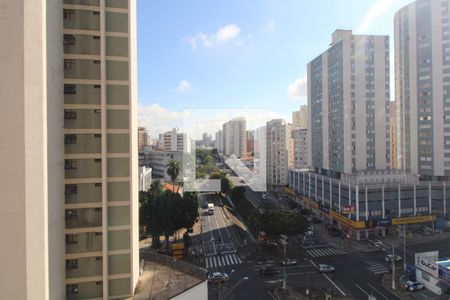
(377, 268)
(216, 261)
(328, 251)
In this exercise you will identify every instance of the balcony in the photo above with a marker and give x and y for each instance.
(81, 19)
(116, 22)
(81, 94)
(82, 118)
(82, 168)
(82, 143)
(83, 193)
(82, 69)
(84, 267)
(81, 44)
(85, 290)
(83, 242)
(83, 217)
(83, 2)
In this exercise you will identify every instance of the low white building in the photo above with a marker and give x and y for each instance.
(145, 178)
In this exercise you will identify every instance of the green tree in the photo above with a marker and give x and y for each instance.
(225, 183)
(173, 170)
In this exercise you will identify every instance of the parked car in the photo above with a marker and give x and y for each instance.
(218, 276)
(323, 268)
(413, 286)
(377, 243)
(288, 262)
(388, 258)
(267, 271)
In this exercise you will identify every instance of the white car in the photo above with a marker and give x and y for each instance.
(390, 257)
(323, 268)
(218, 276)
(414, 286)
(377, 243)
(288, 262)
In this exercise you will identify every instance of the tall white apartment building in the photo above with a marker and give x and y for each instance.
(218, 143)
(234, 141)
(175, 140)
(348, 101)
(69, 209)
(422, 90)
(300, 118)
(300, 140)
(279, 152)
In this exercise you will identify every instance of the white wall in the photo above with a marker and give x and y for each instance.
(198, 292)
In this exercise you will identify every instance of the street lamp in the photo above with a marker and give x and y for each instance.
(284, 263)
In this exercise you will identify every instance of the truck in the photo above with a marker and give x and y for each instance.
(210, 208)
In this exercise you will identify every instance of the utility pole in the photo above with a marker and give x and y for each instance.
(404, 247)
(393, 265)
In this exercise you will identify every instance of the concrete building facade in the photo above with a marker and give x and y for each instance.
(70, 207)
(393, 133)
(300, 140)
(422, 91)
(218, 142)
(234, 137)
(348, 102)
(279, 152)
(175, 140)
(300, 118)
(143, 138)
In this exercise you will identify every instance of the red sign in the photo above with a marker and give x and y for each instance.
(348, 209)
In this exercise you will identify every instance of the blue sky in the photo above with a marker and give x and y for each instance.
(236, 54)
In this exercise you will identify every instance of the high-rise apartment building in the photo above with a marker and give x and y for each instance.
(250, 141)
(422, 91)
(300, 140)
(393, 133)
(348, 102)
(175, 140)
(300, 118)
(70, 207)
(143, 138)
(218, 143)
(279, 152)
(234, 137)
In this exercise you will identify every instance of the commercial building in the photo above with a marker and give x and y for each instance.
(372, 202)
(348, 103)
(175, 140)
(145, 178)
(433, 273)
(393, 133)
(300, 118)
(422, 91)
(279, 152)
(300, 140)
(143, 138)
(234, 137)
(70, 204)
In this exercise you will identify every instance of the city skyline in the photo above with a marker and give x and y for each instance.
(261, 61)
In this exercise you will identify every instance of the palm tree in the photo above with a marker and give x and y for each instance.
(173, 170)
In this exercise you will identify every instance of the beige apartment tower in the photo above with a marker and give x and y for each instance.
(69, 157)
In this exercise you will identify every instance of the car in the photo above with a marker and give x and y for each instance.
(288, 262)
(377, 243)
(323, 268)
(218, 276)
(267, 271)
(414, 286)
(388, 258)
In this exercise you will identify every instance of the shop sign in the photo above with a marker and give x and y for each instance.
(383, 222)
(413, 219)
(355, 224)
(348, 209)
(428, 266)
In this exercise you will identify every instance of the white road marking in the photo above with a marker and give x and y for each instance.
(238, 259)
(377, 291)
(335, 285)
(362, 290)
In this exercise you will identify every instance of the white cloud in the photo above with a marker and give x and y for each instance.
(226, 34)
(159, 119)
(271, 26)
(184, 86)
(376, 11)
(298, 89)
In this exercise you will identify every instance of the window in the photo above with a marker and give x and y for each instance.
(97, 135)
(71, 189)
(71, 264)
(70, 164)
(97, 86)
(70, 89)
(72, 289)
(71, 238)
(71, 214)
(98, 184)
(99, 283)
(69, 39)
(70, 139)
(69, 14)
(98, 233)
(97, 111)
(96, 13)
(99, 258)
(96, 37)
(69, 64)
(98, 160)
(70, 114)
(96, 62)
